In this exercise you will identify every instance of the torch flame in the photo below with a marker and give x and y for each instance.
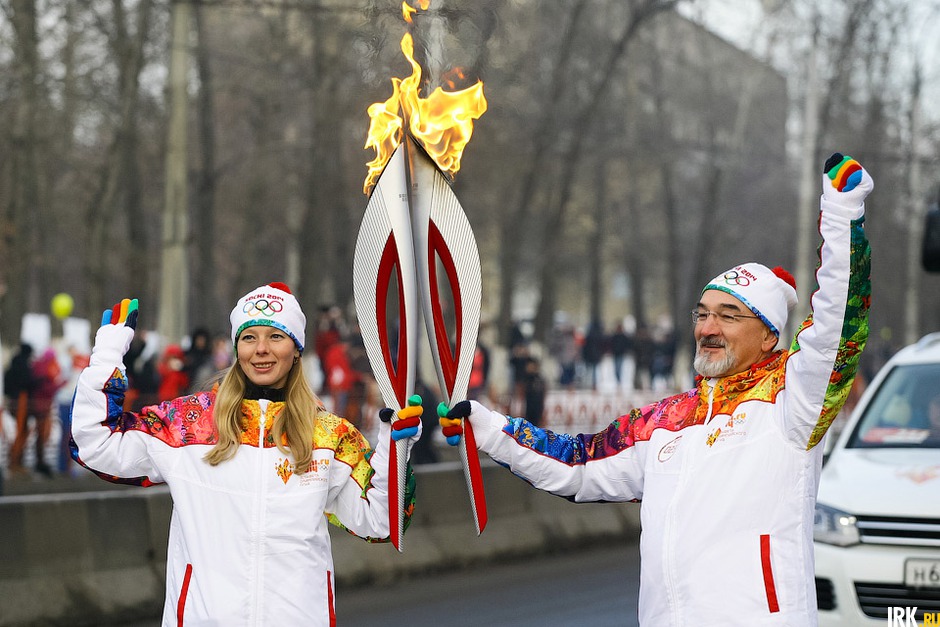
(407, 10)
(442, 123)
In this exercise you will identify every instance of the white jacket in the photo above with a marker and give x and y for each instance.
(248, 543)
(728, 472)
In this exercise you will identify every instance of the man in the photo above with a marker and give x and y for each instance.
(727, 472)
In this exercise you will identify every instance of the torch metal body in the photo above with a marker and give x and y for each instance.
(444, 242)
(384, 261)
(414, 239)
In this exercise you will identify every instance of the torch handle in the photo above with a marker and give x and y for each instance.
(446, 253)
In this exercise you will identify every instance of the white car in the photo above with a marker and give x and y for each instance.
(877, 526)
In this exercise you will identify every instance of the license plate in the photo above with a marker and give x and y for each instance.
(922, 573)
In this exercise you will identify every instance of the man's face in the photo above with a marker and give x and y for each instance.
(725, 347)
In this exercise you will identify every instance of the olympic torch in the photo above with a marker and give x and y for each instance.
(413, 225)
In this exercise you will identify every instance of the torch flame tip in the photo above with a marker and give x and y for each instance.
(441, 123)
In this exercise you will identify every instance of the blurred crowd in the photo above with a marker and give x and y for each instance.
(38, 388)
(625, 356)
(37, 392)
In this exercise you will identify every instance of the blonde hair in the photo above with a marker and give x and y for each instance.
(294, 424)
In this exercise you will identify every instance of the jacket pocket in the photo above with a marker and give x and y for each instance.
(184, 593)
(767, 569)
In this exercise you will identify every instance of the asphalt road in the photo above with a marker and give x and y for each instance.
(595, 586)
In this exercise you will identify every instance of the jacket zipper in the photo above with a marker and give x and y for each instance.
(669, 531)
(257, 541)
(711, 400)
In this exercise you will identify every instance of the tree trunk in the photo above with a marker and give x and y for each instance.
(210, 309)
(172, 318)
(128, 170)
(915, 216)
(572, 160)
(322, 221)
(119, 190)
(814, 135)
(27, 277)
(596, 246)
(518, 215)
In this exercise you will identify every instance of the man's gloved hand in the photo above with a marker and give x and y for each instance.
(845, 182)
(452, 420)
(408, 422)
(115, 334)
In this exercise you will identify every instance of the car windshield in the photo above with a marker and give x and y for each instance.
(905, 412)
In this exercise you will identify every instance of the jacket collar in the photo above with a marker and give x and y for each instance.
(744, 380)
(256, 392)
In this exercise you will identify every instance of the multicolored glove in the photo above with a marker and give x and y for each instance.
(845, 182)
(408, 422)
(452, 420)
(114, 336)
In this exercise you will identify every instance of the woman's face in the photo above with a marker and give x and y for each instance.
(266, 355)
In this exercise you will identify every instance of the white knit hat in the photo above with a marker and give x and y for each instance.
(270, 305)
(770, 294)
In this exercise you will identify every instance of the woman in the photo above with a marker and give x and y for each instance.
(252, 467)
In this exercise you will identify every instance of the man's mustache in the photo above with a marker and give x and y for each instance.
(711, 342)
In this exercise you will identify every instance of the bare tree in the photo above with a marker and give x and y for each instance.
(591, 164)
(205, 310)
(118, 199)
(535, 165)
(27, 209)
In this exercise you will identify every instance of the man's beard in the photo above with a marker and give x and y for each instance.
(708, 367)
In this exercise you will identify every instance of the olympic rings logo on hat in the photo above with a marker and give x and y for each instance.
(262, 307)
(736, 278)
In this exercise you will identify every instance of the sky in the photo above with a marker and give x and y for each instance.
(739, 20)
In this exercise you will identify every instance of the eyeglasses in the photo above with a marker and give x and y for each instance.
(701, 315)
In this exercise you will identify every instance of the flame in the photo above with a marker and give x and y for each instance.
(442, 123)
(407, 10)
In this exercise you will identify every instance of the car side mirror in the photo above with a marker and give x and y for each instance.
(930, 253)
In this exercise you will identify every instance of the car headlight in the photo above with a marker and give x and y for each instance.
(833, 526)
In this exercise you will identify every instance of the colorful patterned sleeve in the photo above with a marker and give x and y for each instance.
(110, 442)
(604, 466)
(358, 499)
(826, 351)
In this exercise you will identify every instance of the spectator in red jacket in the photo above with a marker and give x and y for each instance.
(340, 376)
(172, 370)
(47, 379)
